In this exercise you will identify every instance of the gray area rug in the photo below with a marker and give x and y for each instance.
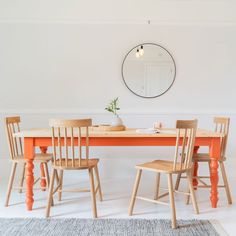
(104, 227)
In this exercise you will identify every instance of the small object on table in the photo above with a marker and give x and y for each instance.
(105, 127)
(147, 131)
(113, 108)
(157, 125)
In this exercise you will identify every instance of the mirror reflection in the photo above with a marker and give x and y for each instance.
(148, 70)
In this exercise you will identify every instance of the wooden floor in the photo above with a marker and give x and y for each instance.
(116, 202)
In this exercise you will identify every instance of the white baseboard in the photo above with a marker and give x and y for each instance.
(119, 167)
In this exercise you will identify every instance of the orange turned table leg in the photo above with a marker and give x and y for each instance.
(43, 183)
(215, 155)
(195, 170)
(29, 156)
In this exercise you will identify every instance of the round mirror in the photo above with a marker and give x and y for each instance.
(148, 70)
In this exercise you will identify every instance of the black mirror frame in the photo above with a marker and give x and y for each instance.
(122, 70)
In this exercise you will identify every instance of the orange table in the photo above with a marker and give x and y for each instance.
(42, 138)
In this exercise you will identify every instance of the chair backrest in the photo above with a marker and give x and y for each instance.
(12, 125)
(222, 126)
(67, 141)
(186, 132)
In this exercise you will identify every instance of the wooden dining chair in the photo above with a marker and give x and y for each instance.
(186, 131)
(221, 126)
(12, 125)
(68, 139)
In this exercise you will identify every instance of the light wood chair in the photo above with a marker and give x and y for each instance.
(68, 139)
(12, 125)
(221, 126)
(186, 131)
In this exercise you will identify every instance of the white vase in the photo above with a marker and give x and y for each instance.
(116, 121)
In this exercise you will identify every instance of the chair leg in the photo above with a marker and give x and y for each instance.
(50, 193)
(192, 192)
(57, 177)
(195, 175)
(60, 183)
(209, 166)
(93, 196)
(157, 187)
(177, 181)
(47, 174)
(47, 178)
(98, 182)
(135, 190)
(172, 201)
(22, 178)
(226, 184)
(188, 198)
(10, 184)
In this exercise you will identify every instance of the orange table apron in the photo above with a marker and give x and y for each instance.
(213, 142)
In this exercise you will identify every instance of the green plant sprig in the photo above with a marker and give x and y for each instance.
(113, 106)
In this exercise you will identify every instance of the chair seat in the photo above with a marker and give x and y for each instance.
(161, 166)
(92, 162)
(204, 157)
(38, 158)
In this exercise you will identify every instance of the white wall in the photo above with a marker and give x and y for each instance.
(63, 59)
(71, 66)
